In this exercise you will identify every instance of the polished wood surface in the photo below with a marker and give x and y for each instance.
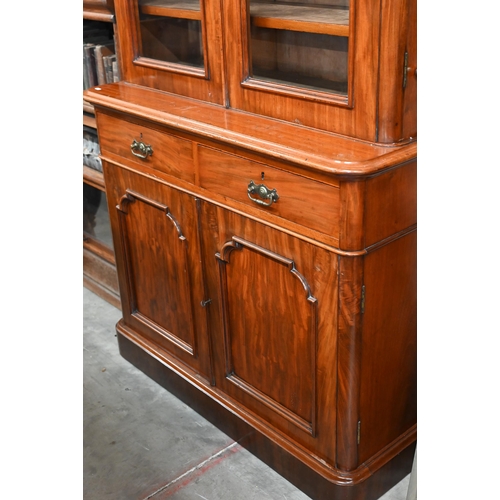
(299, 196)
(294, 360)
(288, 379)
(409, 111)
(389, 345)
(156, 238)
(397, 103)
(186, 9)
(308, 19)
(304, 147)
(266, 241)
(170, 154)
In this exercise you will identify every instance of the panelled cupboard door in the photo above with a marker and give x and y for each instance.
(155, 231)
(172, 45)
(278, 300)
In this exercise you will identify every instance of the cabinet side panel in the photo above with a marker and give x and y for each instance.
(390, 203)
(397, 100)
(389, 341)
(410, 91)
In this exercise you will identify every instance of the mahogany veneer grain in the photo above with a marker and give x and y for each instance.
(291, 326)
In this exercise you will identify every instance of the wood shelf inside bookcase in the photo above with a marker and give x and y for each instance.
(93, 178)
(89, 121)
(184, 9)
(307, 19)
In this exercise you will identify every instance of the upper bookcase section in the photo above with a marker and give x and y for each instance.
(344, 66)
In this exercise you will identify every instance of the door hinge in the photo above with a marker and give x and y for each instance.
(363, 299)
(405, 70)
(359, 431)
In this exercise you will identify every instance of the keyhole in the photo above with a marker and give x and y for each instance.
(262, 175)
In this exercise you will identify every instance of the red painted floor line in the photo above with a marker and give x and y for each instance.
(188, 477)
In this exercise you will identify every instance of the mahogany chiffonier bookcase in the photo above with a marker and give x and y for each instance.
(260, 169)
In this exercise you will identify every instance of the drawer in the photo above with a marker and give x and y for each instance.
(303, 201)
(170, 154)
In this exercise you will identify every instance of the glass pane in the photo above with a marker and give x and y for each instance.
(91, 149)
(301, 43)
(96, 223)
(171, 31)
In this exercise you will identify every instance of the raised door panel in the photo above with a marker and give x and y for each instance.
(270, 330)
(156, 253)
(277, 304)
(156, 232)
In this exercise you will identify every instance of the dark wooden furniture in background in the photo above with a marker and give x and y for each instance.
(260, 168)
(99, 268)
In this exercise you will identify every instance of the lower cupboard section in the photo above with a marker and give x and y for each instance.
(261, 331)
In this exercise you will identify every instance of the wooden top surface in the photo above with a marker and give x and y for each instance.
(310, 148)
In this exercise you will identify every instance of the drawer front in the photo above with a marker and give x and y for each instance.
(168, 154)
(296, 198)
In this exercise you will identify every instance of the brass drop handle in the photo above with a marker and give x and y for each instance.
(140, 149)
(267, 196)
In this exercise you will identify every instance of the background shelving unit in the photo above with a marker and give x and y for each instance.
(99, 268)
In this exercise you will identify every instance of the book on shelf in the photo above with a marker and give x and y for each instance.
(111, 68)
(89, 64)
(100, 52)
(98, 43)
(116, 73)
(100, 65)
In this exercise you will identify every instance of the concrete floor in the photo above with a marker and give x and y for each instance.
(140, 442)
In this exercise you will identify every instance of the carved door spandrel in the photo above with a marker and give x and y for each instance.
(270, 331)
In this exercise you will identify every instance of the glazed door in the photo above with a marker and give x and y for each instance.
(155, 231)
(298, 61)
(278, 300)
(326, 64)
(172, 45)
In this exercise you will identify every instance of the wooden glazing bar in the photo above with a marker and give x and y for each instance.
(185, 9)
(301, 18)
